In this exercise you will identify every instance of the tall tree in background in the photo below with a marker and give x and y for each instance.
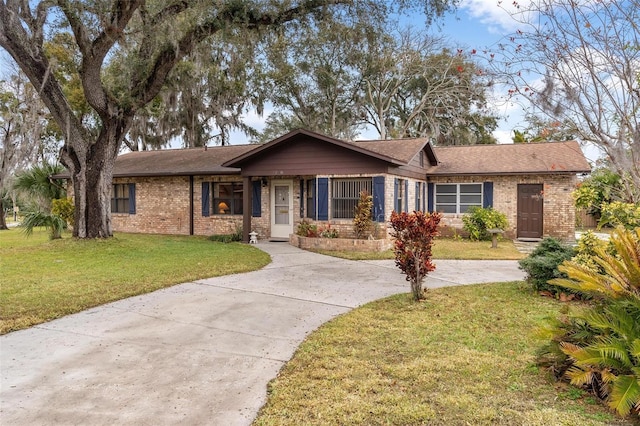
(204, 97)
(587, 55)
(22, 126)
(315, 77)
(542, 129)
(164, 34)
(403, 83)
(416, 85)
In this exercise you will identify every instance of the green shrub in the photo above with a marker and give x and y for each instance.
(620, 214)
(228, 238)
(542, 264)
(328, 232)
(311, 230)
(600, 188)
(306, 229)
(477, 222)
(64, 208)
(586, 250)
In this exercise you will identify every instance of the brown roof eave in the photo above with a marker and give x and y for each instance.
(163, 174)
(191, 173)
(553, 172)
(431, 154)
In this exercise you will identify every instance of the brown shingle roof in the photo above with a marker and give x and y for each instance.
(398, 152)
(298, 134)
(179, 162)
(555, 157)
(549, 157)
(402, 150)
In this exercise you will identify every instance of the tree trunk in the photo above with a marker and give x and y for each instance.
(3, 222)
(91, 176)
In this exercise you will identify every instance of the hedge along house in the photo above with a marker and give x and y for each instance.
(531, 183)
(271, 188)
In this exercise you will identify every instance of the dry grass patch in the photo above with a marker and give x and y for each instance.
(43, 279)
(463, 357)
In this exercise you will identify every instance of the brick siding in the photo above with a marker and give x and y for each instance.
(558, 207)
(162, 206)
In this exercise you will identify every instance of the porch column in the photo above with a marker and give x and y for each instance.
(246, 208)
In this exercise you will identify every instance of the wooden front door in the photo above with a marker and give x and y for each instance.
(530, 204)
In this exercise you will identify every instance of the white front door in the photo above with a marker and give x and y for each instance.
(281, 208)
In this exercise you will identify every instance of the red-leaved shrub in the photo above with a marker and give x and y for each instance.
(414, 233)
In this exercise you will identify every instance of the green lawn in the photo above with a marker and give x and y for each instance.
(41, 279)
(463, 357)
(447, 248)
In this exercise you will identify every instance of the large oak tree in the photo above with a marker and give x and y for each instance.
(141, 42)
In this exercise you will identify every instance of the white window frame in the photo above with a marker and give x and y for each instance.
(459, 193)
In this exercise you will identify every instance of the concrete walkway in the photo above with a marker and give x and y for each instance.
(196, 353)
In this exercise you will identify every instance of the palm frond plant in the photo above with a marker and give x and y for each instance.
(52, 222)
(607, 360)
(36, 184)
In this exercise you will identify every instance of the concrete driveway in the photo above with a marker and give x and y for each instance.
(196, 353)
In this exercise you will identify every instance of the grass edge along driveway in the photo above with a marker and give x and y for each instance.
(42, 280)
(465, 356)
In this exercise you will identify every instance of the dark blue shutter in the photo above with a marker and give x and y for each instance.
(430, 196)
(396, 207)
(302, 199)
(406, 196)
(378, 198)
(417, 197)
(132, 198)
(487, 194)
(311, 213)
(424, 196)
(256, 198)
(323, 198)
(205, 199)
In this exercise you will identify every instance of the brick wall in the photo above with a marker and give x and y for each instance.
(558, 207)
(162, 207)
(340, 244)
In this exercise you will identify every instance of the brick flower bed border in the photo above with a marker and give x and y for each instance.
(339, 244)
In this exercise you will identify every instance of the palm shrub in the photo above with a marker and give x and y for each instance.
(542, 264)
(36, 184)
(362, 219)
(477, 221)
(414, 234)
(608, 359)
(36, 218)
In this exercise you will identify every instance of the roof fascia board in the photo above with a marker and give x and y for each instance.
(553, 172)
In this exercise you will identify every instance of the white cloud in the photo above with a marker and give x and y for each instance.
(503, 136)
(495, 14)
